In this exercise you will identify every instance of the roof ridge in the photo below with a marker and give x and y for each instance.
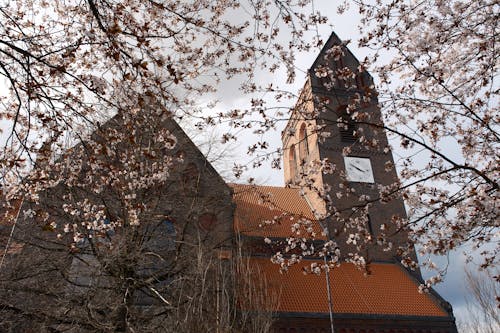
(258, 186)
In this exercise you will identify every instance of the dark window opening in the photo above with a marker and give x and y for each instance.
(292, 161)
(303, 144)
(347, 125)
(369, 224)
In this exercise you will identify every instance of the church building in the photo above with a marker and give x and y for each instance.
(146, 278)
(384, 295)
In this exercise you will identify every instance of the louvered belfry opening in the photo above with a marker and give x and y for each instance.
(347, 125)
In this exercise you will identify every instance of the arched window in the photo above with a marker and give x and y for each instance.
(292, 162)
(303, 144)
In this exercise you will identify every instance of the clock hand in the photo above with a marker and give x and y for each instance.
(358, 168)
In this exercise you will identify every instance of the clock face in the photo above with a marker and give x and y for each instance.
(358, 169)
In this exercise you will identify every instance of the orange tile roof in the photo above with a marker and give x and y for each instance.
(352, 291)
(267, 211)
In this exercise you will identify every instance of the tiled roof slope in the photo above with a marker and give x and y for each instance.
(352, 291)
(285, 206)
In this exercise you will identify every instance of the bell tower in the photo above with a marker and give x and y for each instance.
(336, 149)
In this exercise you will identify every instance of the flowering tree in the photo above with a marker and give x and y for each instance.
(436, 64)
(439, 96)
(64, 64)
(68, 67)
(118, 207)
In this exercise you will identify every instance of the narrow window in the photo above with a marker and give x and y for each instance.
(303, 144)
(292, 162)
(347, 126)
(369, 225)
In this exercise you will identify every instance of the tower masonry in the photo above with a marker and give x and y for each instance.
(336, 149)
